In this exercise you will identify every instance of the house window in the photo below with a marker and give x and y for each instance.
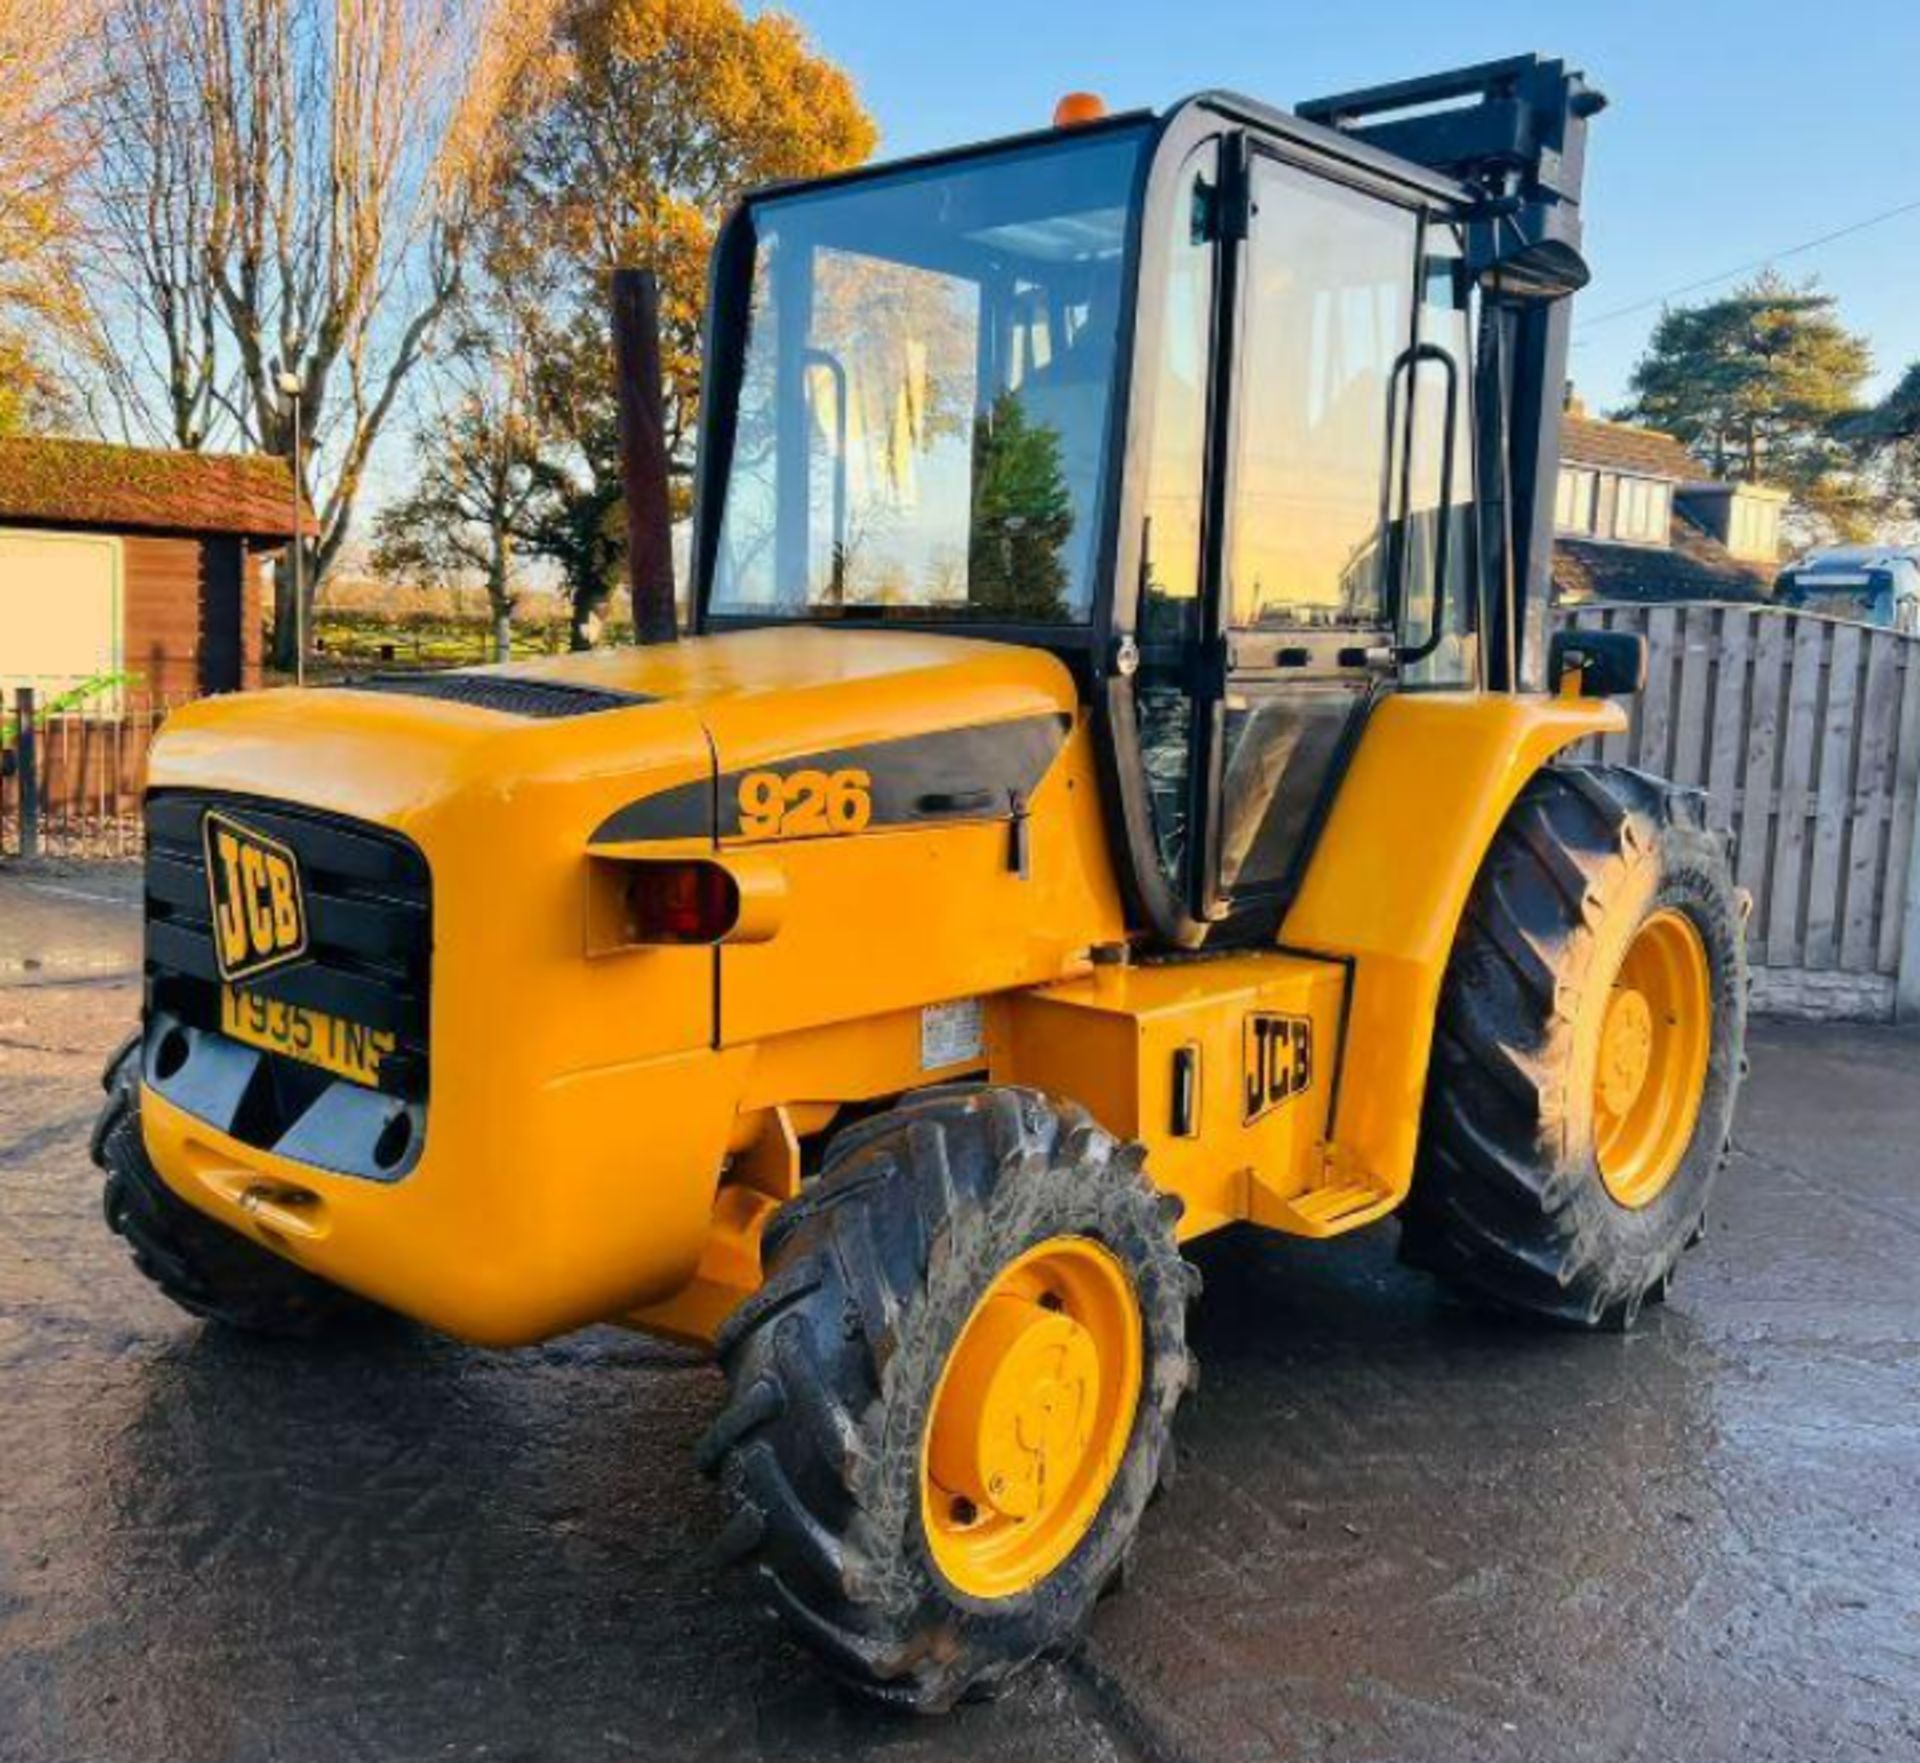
(1573, 507)
(1610, 505)
(1642, 511)
(1754, 529)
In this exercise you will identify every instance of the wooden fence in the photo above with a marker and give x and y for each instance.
(1805, 733)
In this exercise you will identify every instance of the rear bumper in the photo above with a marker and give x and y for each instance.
(528, 1215)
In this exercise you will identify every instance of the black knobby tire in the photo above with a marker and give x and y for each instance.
(208, 1270)
(1508, 1203)
(870, 1277)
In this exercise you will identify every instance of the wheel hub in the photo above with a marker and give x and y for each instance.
(1626, 1049)
(1031, 1417)
(1026, 1386)
(1650, 1064)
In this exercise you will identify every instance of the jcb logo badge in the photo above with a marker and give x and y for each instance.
(259, 917)
(1277, 1053)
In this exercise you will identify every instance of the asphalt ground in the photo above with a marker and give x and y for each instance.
(1401, 1530)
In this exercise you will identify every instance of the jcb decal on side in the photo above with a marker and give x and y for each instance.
(804, 804)
(1277, 1056)
(259, 914)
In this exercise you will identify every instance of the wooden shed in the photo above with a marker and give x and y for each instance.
(135, 564)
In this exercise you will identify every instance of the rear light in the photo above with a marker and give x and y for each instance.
(651, 902)
(689, 902)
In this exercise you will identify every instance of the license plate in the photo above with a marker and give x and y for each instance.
(347, 1049)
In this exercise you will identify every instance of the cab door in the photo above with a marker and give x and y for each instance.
(1331, 557)
(1326, 324)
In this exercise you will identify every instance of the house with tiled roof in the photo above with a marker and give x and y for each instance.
(137, 565)
(1636, 519)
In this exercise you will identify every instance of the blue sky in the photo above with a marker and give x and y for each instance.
(1735, 131)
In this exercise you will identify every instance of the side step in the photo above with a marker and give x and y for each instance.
(1344, 1200)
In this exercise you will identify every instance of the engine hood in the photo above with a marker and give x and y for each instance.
(772, 695)
(651, 723)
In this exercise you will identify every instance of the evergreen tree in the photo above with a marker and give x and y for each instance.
(1887, 442)
(1022, 517)
(1757, 386)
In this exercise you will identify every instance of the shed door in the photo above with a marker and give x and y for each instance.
(60, 618)
(222, 614)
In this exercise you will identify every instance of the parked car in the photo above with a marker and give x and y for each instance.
(1873, 584)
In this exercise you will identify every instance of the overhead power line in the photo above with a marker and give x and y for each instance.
(1772, 257)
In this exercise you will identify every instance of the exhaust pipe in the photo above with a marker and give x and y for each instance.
(643, 454)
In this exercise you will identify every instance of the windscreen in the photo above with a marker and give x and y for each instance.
(921, 418)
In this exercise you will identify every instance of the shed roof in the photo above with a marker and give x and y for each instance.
(1618, 446)
(97, 485)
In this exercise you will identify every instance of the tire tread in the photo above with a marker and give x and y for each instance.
(1496, 1208)
(807, 1447)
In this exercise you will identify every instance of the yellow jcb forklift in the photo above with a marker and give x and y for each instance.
(1116, 788)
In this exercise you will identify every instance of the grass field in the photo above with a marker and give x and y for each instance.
(351, 642)
(360, 625)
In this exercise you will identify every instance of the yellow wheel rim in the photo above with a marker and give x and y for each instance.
(1031, 1417)
(1651, 1067)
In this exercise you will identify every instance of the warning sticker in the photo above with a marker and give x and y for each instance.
(951, 1034)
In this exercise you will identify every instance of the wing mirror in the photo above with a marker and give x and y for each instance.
(1529, 254)
(1597, 664)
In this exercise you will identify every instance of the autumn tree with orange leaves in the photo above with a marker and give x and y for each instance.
(43, 146)
(663, 113)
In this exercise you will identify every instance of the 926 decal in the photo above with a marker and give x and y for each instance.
(804, 804)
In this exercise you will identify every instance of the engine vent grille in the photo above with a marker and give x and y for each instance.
(507, 694)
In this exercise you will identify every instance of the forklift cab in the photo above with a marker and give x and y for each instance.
(1231, 409)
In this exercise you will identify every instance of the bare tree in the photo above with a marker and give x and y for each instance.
(153, 312)
(475, 477)
(292, 193)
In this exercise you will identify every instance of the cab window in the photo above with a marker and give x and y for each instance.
(1328, 318)
(1326, 334)
(1439, 573)
(920, 425)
